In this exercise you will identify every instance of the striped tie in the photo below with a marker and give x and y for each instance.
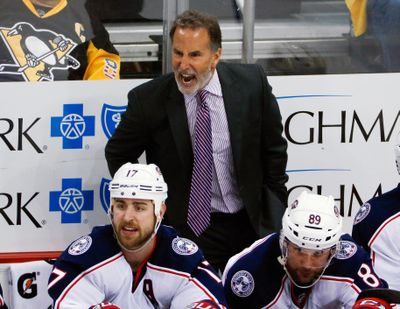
(199, 211)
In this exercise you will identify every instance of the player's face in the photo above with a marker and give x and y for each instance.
(133, 221)
(305, 266)
(193, 60)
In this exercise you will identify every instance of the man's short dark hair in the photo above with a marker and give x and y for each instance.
(194, 19)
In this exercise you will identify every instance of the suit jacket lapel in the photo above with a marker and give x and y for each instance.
(233, 101)
(175, 106)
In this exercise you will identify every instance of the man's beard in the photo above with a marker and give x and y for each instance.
(201, 81)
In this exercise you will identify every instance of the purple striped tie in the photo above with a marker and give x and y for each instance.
(199, 211)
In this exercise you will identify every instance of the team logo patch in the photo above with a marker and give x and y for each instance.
(37, 52)
(110, 68)
(362, 212)
(242, 283)
(184, 246)
(346, 250)
(80, 246)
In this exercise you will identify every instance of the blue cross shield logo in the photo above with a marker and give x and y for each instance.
(71, 200)
(105, 194)
(111, 117)
(72, 126)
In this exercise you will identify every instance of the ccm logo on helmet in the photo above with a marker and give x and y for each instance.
(312, 239)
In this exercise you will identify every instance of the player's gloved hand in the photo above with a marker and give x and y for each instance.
(104, 305)
(377, 298)
(205, 303)
(371, 303)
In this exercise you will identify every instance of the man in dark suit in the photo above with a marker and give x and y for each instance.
(247, 192)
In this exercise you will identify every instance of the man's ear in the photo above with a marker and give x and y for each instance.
(217, 57)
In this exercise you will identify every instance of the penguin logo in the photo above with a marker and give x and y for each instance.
(36, 52)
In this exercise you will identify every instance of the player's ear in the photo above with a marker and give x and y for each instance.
(163, 209)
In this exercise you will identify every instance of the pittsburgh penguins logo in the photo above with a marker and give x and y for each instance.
(36, 52)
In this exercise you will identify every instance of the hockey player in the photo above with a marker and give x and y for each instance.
(377, 228)
(47, 40)
(309, 264)
(135, 262)
(2, 302)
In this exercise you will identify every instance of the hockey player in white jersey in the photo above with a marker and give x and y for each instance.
(135, 262)
(309, 264)
(377, 228)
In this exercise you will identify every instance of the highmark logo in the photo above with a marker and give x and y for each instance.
(72, 126)
(71, 200)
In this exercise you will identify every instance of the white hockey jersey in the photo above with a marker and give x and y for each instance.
(255, 279)
(377, 229)
(93, 269)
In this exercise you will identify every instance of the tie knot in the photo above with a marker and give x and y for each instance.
(203, 96)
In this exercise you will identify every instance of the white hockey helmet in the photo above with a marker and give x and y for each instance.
(312, 222)
(139, 181)
(397, 152)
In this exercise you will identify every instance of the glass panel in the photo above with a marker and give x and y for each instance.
(290, 37)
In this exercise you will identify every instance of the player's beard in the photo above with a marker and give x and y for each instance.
(305, 276)
(198, 81)
(132, 240)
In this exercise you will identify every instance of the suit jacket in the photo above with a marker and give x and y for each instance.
(156, 122)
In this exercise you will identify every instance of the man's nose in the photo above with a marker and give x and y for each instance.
(185, 63)
(307, 260)
(129, 214)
